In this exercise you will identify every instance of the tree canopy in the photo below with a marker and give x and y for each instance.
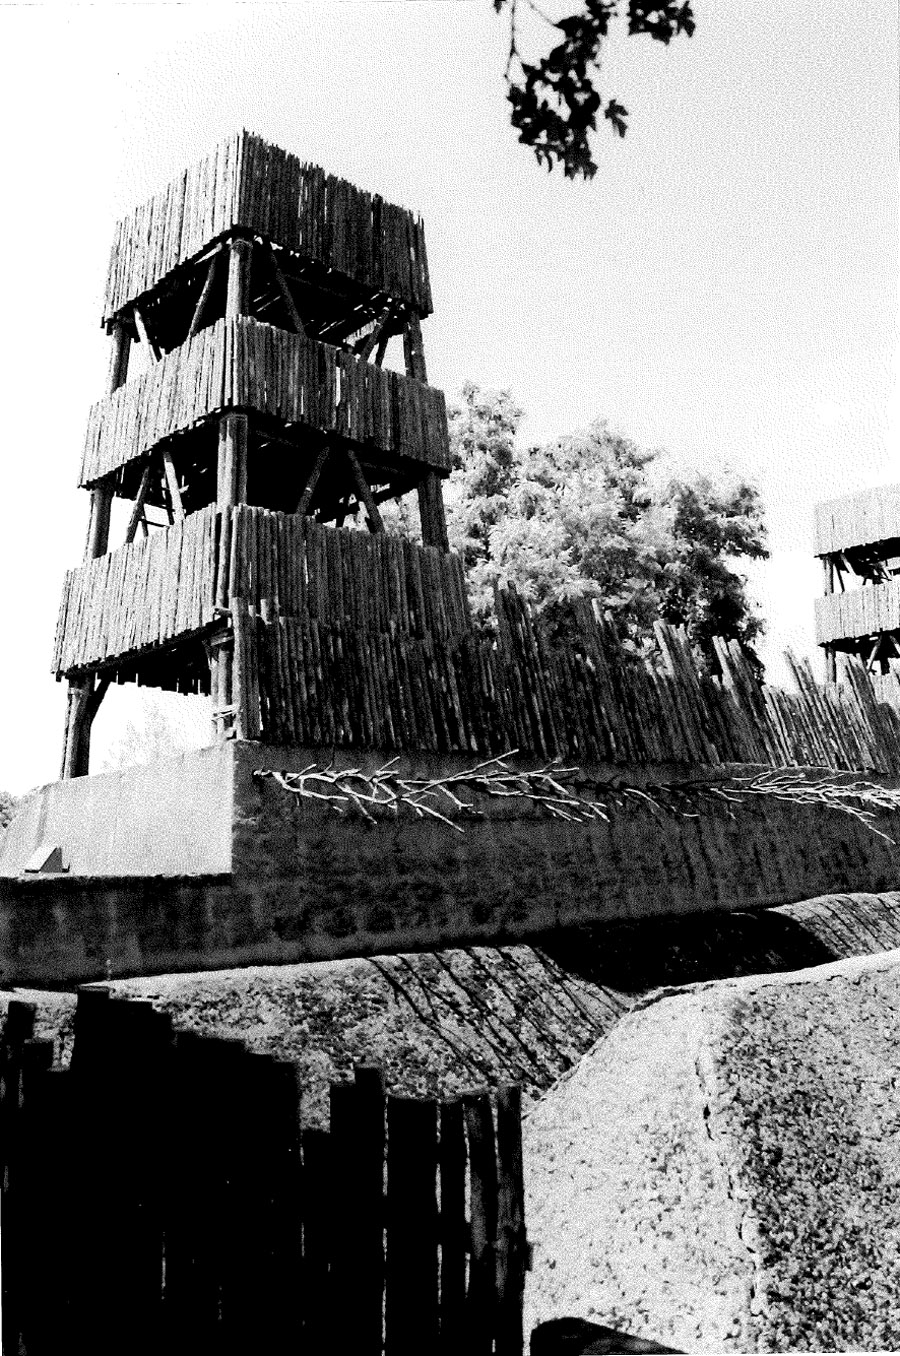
(555, 100)
(586, 516)
(8, 806)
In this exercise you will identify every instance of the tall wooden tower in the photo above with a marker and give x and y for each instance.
(265, 292)
(858, 542)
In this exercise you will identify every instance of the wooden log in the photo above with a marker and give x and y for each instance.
(453, 1228)
(202, 307)
(233, 439)
(313, 479)
(411, 1279)
(240, 254)
(137, 511)
(379, 335)
(319, 1221)
(286, 294)
(412, 349)
(172, 483)
(431, 512)
(121, 349)
(512, 1258)
(375, 523)
(481, 1297)
(98, 528)
(141, 327)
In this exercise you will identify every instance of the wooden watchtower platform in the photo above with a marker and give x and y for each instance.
(265, 293)
(857, 538)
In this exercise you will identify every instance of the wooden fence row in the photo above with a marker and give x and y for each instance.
(152, 590)
(583, 700)
(361, 640)
(285, 565)
(245, 364)
(158, 588)
(161, 1194)
(859, 612)
(857, 519)
(248, 183)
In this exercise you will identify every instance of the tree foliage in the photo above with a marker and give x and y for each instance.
(586, 517)
(555, 101)
(8, 806)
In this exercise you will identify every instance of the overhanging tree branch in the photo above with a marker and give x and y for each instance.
(555, 101)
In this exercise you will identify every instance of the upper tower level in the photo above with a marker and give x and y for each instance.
(347, 251)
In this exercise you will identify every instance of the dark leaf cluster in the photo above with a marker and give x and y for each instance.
(555, 101)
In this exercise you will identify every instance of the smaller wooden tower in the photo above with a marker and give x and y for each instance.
(857, 539)
(265, 292)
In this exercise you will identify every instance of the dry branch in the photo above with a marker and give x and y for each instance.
(449, 798)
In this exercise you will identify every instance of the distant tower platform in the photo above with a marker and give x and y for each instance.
(265, 293)
(857, 539)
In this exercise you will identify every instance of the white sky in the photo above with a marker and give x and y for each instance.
(725, 288)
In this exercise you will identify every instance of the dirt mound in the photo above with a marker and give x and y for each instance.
(723, 1171)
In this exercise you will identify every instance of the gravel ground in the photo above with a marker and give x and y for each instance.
(722, 1172)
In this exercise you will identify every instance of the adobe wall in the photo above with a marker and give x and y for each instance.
(218, 868)
(169, 818)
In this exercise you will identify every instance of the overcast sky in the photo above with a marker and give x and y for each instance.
(725, 288)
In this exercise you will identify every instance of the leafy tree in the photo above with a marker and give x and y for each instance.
(8, 806)
(555, 101)
(585, 517)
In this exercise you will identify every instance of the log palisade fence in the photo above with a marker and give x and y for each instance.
(160, 1195)
(354, 640)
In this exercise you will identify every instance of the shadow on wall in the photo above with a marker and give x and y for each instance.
(634, 957)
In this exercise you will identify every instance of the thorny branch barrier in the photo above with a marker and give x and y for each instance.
(160, 1194)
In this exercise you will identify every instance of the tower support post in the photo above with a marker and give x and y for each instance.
(83, 704)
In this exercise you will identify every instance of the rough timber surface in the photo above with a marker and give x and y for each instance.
(152, 590)
(858, 612)
(302, 883)
(860, 519)
(247, 365)
(720, 1173)
(247, 184)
